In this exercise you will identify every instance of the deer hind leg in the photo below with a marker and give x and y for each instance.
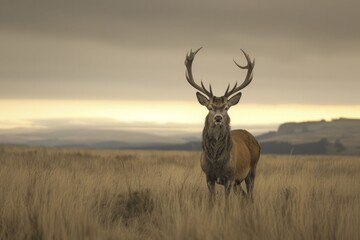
(238, 189)
(250, 180)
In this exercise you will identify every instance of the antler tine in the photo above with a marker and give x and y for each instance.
(203, 86)
(227, 93)
(227, 89)
(249, 75)
(210, 90)
(189, 76)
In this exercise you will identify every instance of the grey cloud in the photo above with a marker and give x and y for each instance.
(183, 19)
(135, 49)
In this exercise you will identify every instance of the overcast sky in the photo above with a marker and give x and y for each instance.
(306, 51)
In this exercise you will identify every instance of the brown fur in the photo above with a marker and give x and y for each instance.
(229, 157)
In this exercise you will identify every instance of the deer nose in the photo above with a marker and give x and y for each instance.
(218, 118)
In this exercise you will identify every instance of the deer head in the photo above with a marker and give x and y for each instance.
(218, 106)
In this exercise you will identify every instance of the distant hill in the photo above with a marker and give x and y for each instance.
(87, 137)
(339, 136)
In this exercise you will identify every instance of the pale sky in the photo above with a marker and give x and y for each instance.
(124, 60)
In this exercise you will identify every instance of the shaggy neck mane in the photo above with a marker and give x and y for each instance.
(217, 142)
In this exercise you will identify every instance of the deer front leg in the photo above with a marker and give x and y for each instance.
(227, 188)
(211, 186)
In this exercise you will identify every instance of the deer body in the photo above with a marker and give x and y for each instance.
(228, 157)
(231, 166)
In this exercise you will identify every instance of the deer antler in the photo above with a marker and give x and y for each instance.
(249, 76)
(189, 76)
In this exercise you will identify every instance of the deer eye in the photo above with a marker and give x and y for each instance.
(210, 108)
(226, 108)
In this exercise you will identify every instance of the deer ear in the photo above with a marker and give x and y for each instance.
(235, 99)
(202, 99)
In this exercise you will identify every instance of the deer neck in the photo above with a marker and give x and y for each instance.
(217, 142)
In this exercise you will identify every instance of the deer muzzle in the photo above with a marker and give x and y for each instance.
(218, 119)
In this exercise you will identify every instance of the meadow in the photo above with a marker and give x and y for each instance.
(69, 193)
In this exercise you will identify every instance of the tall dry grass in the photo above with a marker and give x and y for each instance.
(48, 193)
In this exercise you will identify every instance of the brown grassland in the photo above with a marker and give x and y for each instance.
(53, 193)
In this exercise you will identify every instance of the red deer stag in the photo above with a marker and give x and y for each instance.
(228, 157)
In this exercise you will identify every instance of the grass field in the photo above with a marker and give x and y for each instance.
(49, 193)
